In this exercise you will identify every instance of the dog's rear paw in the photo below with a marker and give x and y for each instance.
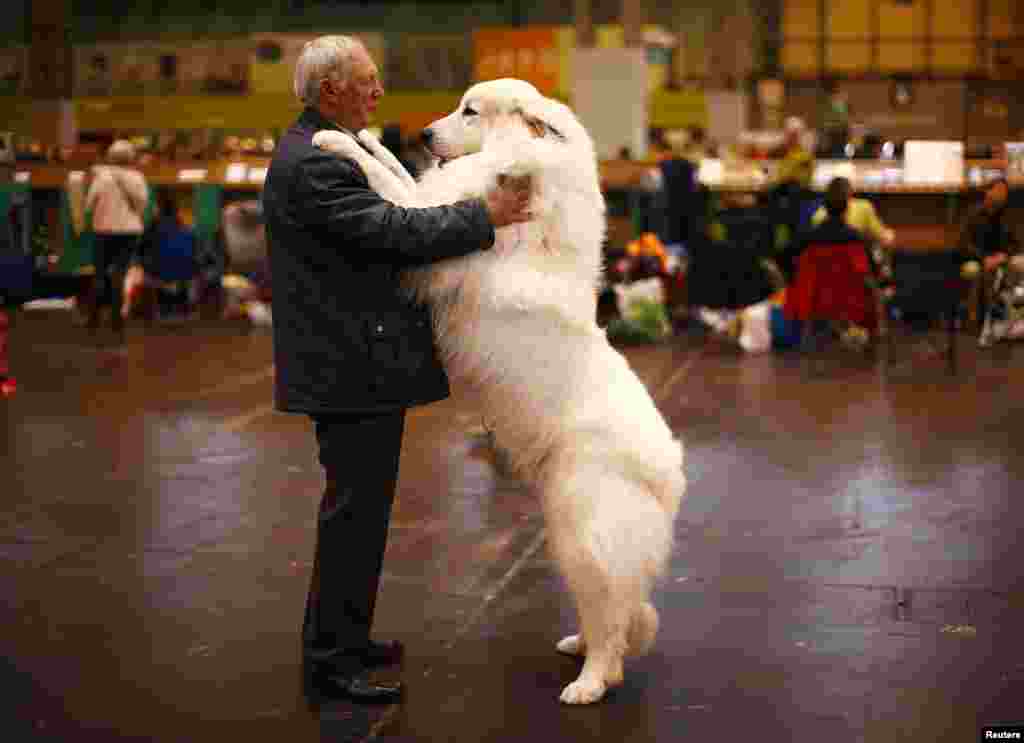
(583, 691)
(332, 141)
(572, 645)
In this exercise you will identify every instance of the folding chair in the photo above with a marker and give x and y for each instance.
(931, 284)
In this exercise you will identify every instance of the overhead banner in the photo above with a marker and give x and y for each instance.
(530, 54)
(543, 55)
(429, 62)
(213, 68)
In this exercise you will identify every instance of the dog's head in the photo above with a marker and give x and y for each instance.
(485, 108)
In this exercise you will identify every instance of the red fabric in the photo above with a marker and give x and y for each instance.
(3, 344)
(829, 285)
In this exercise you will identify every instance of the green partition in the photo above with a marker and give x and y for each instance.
(77, 255)
(206, 206)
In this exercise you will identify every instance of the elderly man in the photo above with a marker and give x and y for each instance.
(117, 198)
(988, 242)
(986, 236)
(350, 350)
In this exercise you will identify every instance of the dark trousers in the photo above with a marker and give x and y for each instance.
(113, 253)
(359, 454)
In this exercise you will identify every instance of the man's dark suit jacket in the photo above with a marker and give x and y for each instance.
(345, 339)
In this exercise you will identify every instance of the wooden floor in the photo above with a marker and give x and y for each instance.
(848, 561)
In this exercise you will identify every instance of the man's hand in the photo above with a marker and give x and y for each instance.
(509, 202)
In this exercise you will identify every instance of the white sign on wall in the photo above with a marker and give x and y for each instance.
(610, 98)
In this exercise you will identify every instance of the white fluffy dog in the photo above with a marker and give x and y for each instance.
(518, 323)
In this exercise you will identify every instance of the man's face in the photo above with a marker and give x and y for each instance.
(352, 104)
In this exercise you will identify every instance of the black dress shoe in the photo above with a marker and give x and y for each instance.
(359, 688)
(382, 653)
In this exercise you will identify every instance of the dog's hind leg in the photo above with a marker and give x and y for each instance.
(605, 625)
(609, 536)
(643, 628)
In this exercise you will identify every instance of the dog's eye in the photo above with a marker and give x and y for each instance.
(469, 111)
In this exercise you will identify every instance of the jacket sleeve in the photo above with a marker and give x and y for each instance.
(335, 195)
(136, 190)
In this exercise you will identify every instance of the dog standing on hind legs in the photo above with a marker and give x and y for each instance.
(518, 323)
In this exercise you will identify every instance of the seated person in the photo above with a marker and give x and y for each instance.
(985, 237)
(834, 231)
(833, 227)
(987, 242)
(860, 215)
(169, 258)
(796, 164)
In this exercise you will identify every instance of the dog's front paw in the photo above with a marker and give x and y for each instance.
(583, 691)
(333, 141)
(366, 137)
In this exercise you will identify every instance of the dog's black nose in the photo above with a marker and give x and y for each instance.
(426, 137)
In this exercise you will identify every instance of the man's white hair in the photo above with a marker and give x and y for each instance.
(325, 57)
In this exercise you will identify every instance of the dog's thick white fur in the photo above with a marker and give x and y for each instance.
(518, 322)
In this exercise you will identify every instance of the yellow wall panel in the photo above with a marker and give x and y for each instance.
(953, 57)
(903, 21)
(956, 18)
(800, 18)
(849, 20)
(800, 59)
(898, 56)
(849, 57)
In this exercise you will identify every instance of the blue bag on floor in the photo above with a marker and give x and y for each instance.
(785, 332)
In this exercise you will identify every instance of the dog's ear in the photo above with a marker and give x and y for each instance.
(537, 127)
(536, 123)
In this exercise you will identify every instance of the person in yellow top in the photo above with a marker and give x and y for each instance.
(860, 215)
(797, 162)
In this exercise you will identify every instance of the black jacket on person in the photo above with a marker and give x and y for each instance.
(986, 233)
(832, 231)
(345, 339)
(684, 202)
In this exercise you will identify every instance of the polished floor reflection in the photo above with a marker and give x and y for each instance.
(847, 565)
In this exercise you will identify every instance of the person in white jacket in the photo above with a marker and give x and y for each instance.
(117, 198)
